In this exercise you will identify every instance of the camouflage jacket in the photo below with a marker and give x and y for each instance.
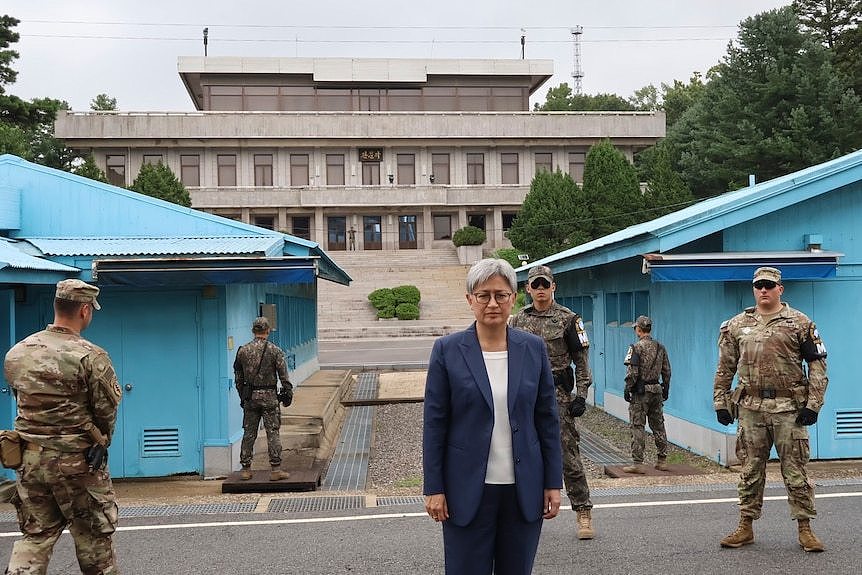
(63, 384)
(272, 367)
(646, 361)
(768, 354)
(566, 338)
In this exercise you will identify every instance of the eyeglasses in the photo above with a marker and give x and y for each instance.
(500, 297)
(540, 283)
(768, 284)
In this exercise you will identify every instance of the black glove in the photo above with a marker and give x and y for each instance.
(285, 396)
(627, 395)
(578, 406)
(723, 416)
(806, 416)
(96, 455)
(665, 391)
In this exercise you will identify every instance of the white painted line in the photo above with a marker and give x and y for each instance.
(425, 515)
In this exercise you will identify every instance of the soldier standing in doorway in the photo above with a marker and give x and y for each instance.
(567, 343)
(352, 239)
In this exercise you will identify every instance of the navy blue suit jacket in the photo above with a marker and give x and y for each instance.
(459, 418)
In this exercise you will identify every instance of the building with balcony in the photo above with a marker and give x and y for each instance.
(368, 154)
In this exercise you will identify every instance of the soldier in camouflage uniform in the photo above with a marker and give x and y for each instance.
(645, 361)
(567, 342)
(67, 396)
(776, 399)
(258, 367)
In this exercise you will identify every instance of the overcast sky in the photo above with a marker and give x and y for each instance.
(75, 49)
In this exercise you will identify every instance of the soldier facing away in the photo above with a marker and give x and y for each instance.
(567, 343)
(67, 395)
(258, 367)
(645, 362)
(776, 399)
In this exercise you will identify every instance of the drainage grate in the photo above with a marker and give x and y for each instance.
(366, 385)
(599, 451)
(8, 517)
(348, 467)
(300, 504)
(401, 500)
(195, 509)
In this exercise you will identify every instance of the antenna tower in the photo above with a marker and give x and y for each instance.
(577, 71)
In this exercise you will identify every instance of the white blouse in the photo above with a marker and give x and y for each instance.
(501, 465)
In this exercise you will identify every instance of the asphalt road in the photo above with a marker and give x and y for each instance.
(657, 533)
(391, 353)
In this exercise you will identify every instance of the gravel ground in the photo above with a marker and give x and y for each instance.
(395, 464)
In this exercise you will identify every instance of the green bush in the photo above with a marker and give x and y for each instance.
(508, 254)
(407, 311)
(469, 236)
(406, 294)
(382, 298)
(386, 313)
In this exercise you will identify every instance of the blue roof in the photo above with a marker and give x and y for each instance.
(11, 256)
(708, 216)
(132, 246)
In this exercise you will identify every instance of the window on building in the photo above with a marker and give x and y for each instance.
(641, 303)
(508, 220)
(297, 98)
(263, 169)
(404, 100)
(336, 100)
(440, 98)
(509, 168)
(225, 98)
(226, 169)
(576, 165)
(406, 169)
(190, 170)
(115, 169)
(544, 161)
(299, 169)
(476, 220)
(301, 227)
(370, 173)
(369, 100)
(510, 99)
(154, 159)
(334, 169)
(475, 168)
(440, 168)
(267, 222)
(442, 227)
(261, 98)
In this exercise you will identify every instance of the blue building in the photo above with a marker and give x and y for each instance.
(691, 270)
(180, 289)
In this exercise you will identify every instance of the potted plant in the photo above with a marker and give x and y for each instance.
(469, 240)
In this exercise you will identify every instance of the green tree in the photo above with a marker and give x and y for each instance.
(828, 19)
(666, 191)
(13, 140)
(89, 169)
(646, 98)
(679, 97)
(611, 190)
(103, 102)
(7, 56)
(772, 106)
(158, 181)
(561, 99)
(553, 217)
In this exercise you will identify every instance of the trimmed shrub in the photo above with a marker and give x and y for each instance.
(508, 254)
(407, 311)
(406, 294)
(469, 236)
(382, 298)
(386, 313)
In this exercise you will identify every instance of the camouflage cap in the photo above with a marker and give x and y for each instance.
(643, 322)
(260, 325)
(77, 290)
(770, 274)
(540, 272)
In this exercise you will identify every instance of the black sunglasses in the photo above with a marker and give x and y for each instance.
(768, 284)
(540, 283)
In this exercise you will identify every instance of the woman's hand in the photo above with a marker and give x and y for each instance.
(435, 506)
(552, 503)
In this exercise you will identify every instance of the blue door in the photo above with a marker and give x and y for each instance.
(153, 342)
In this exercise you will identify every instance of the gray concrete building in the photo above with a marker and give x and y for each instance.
(393, 153)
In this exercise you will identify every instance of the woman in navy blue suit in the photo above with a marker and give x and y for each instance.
(491, 442)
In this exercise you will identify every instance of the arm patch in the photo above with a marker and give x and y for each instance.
(632, 357)
(812, 347)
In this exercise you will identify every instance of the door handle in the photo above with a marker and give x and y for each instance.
(128, 387)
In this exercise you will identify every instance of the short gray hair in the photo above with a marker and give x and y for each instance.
(483, 270)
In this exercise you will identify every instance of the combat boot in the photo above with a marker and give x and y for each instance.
(634, 468)
(661, 465)
(807, 539)
(585, 524)
(277, 474)
(245, 474)
(743, 535)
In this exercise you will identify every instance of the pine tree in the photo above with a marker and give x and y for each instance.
(158, 181)
(611, 190)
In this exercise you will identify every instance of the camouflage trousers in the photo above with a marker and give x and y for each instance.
(758, 431)
(55, 491)
(643, 407)
(262, 405)
(573, 468)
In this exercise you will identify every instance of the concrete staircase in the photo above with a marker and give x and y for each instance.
(345, 312)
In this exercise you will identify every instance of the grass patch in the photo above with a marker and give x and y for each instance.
(409, 482)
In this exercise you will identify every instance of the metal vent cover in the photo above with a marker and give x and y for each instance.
(848, 423)
(161, 442)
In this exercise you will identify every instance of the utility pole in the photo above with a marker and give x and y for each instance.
(577, 71)
(206, 33)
